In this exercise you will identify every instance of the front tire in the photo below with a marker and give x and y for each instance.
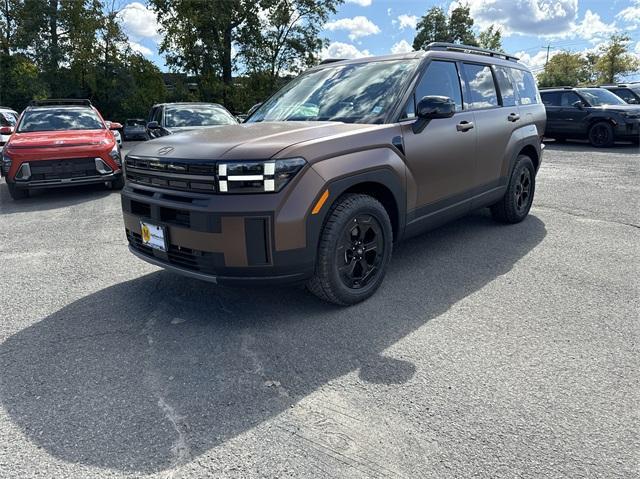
(601, 135)
(17, 193)
(354, 251)
(516, 202)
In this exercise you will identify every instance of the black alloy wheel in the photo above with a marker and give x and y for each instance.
(601, 135)
(360, 251)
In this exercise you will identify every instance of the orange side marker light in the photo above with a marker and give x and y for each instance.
(320, 203)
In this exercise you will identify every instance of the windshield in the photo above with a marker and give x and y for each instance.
(197, 115)
(600, 97)
(357, 93)
(57, 119)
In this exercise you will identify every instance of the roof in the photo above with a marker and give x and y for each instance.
(188, 103)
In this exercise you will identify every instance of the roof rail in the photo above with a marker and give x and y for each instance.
(469, 49)
(60, 101)
(331, 60)
(562, 87)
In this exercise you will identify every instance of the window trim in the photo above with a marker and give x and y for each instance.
(495, 86)
(413, 85)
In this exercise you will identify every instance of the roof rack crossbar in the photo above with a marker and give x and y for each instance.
(470, 49)
(60, 101)
(560, 87)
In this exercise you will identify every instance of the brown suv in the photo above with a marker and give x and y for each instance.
(334, 168)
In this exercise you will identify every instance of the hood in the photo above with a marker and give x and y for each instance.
(58, 139)
(619, 108)
(247, 141)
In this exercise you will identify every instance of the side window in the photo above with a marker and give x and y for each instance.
(551, 98)
(481, 85)
(506, 87)
(567, 99)
(626, 95)
(526, 86)
(157, 115)
(440, 79)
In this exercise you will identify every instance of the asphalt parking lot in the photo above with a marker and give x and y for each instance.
(489, 351)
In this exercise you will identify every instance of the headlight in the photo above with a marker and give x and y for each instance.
(115, 154)
(6, 164)
(257, 176)
(630, 115)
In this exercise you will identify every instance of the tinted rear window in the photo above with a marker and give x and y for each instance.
(507, 91)
(526, 87)
(57, 119)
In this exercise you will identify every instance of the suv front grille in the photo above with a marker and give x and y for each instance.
(172, 174)
(63, 169)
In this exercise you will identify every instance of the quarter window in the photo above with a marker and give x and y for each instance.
(481, 86)
(526, 86)
(505, 84)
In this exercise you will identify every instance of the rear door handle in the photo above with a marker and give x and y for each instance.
(513, 117)
(464, 126)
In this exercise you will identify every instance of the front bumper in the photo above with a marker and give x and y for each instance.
(226, 239)
(629, 130)
(61, 182)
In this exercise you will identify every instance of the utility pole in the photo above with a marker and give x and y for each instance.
(548, 48)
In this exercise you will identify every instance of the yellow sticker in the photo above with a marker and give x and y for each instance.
(146, 234)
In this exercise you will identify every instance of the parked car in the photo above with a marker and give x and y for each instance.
(116, 134)
(135, 129)
(8, 120)
(595, 114)
(61, 143)
(168, 118)
(342, 162)
(629, 92)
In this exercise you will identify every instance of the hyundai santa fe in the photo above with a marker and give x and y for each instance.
(336, 167)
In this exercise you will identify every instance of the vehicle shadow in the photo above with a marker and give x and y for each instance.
(583, 145)
(50, 199)
(160, 369)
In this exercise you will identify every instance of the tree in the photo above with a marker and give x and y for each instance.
(461, 25)
(199, 36)
(10, 10)
(491, 38)
(285, 37)
(565, 68)
(432, 27)
(615, 60)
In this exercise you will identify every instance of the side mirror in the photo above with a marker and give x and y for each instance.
(114, 125)
(153, 125)
(431, 108)
(578, 104)
(6, 130)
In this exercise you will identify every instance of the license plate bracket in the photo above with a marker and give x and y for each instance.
(153, 236)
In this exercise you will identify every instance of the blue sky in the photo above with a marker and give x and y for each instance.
(377, 27)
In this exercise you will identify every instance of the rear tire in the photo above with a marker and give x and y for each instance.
(516, 202)
(17, 193)
(354, 251)
(601, 135)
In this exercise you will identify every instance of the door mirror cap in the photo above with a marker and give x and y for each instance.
(6, 130)
(153, 125)
(433, 107)
(578, 104)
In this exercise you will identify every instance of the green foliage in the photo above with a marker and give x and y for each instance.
(434, 26)
(491, 38)
(615, 60)
(565, 69)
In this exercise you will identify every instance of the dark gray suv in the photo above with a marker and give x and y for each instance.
(344, 161)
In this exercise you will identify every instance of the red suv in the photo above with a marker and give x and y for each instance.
(61, 143)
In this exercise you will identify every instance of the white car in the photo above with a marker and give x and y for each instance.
(8, 120)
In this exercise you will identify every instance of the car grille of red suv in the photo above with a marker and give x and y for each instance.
(62, 169)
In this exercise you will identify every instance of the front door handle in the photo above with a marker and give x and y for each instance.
(513, 117)
(464, 125)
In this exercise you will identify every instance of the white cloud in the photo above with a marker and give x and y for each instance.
(631, 14)
(137, 47)
(593, 28)
(343, 50)
(402, 46)
(535, 62)
(357, 26)
(407, 21)
(531, 17)
(139, 22)
(362, 3)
